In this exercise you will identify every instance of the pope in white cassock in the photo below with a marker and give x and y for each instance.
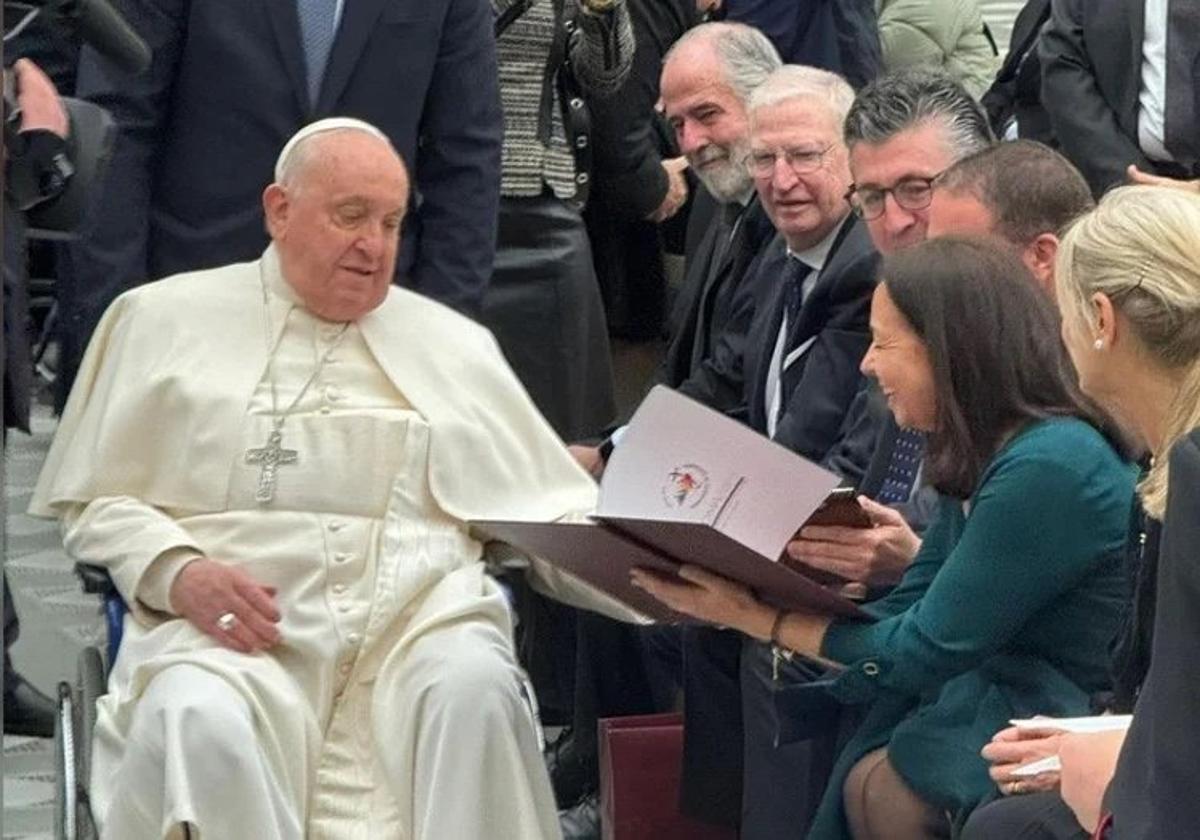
(274, 460)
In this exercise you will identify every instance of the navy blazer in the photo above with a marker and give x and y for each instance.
(201, 130)
(836, 313)
(836, 317)
(707, 310)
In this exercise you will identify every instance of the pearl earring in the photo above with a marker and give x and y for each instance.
(1098, 344)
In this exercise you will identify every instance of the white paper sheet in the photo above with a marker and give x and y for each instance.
(682, 461)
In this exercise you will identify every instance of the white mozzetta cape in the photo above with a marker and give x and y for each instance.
(129, 428)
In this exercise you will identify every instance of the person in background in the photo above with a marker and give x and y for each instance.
(1119, 83)
(1010, 604)
(543, 302)
(947, 35)
(229, 83)
(840, 36)
(27, 711)
(640, 179)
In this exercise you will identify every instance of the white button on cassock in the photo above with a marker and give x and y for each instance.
(339, 588)
(341, 557)
(354, 639)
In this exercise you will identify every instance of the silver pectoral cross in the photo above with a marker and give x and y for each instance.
(270, 456)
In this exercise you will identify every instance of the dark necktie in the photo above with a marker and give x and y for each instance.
(1182, 126)
(727, 232)
(318, 28)
(902, 469)
(794, 276)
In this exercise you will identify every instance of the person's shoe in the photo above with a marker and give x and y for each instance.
(26, 710)
(571, 774)
(582, 820)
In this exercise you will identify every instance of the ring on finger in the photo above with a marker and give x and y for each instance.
(227, 622)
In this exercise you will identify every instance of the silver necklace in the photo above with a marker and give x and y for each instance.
(272, 456)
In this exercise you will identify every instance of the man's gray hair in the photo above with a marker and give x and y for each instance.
(296, 151)
(748, 56)
(800, 82)
(906, 99)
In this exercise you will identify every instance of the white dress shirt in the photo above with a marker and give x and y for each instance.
(814, 258)
(1152, 99)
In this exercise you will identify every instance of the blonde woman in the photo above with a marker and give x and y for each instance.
(1128, 285)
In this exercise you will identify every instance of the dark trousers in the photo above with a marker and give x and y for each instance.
(611, 679)
(711, 784)
(1035, 816)
(735, 773)
(12, 629)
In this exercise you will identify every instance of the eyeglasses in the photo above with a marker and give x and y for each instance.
(911, 194)
(801, 161)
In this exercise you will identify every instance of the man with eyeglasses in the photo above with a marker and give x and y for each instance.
(903, 131)
(799, 376)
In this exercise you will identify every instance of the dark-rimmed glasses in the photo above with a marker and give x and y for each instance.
(910, 193)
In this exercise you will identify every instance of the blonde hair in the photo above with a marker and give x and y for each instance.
(1140, 247)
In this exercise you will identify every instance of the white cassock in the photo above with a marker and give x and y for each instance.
(393, 707)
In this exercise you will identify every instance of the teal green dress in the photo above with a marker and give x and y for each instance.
(1006, 612)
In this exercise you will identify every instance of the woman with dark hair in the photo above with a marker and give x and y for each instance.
(1008, 608)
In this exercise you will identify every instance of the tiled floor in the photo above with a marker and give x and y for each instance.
(57, 620)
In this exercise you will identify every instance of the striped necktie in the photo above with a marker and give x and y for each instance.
(318, 28)
(902, 468)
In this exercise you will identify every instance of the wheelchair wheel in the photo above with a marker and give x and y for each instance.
(92, 685)
(73, 748)
(66, 787)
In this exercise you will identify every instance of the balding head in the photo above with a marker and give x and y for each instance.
(334, 215)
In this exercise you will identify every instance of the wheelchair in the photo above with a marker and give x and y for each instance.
(77, 714)
(76, 717)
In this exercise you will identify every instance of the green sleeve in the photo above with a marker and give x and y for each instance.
(1039, 523)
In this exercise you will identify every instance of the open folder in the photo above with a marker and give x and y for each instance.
(690, 485)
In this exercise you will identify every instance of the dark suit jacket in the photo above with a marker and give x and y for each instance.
(1017, 91)
(836, 313)
(826, 377)
(708, 306)
(1152, 796)
(837, 35)
(1091, 55)
(630, 138)
(201, 131)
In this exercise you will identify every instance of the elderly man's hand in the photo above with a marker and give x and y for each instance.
(205, 590)
(1088, 764)
(677, 190)
(876, 556)
(41, 107)
(1012, 748)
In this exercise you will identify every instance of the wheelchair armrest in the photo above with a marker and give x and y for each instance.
(95, 579)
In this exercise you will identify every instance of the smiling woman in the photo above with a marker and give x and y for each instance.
(1008, 608)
